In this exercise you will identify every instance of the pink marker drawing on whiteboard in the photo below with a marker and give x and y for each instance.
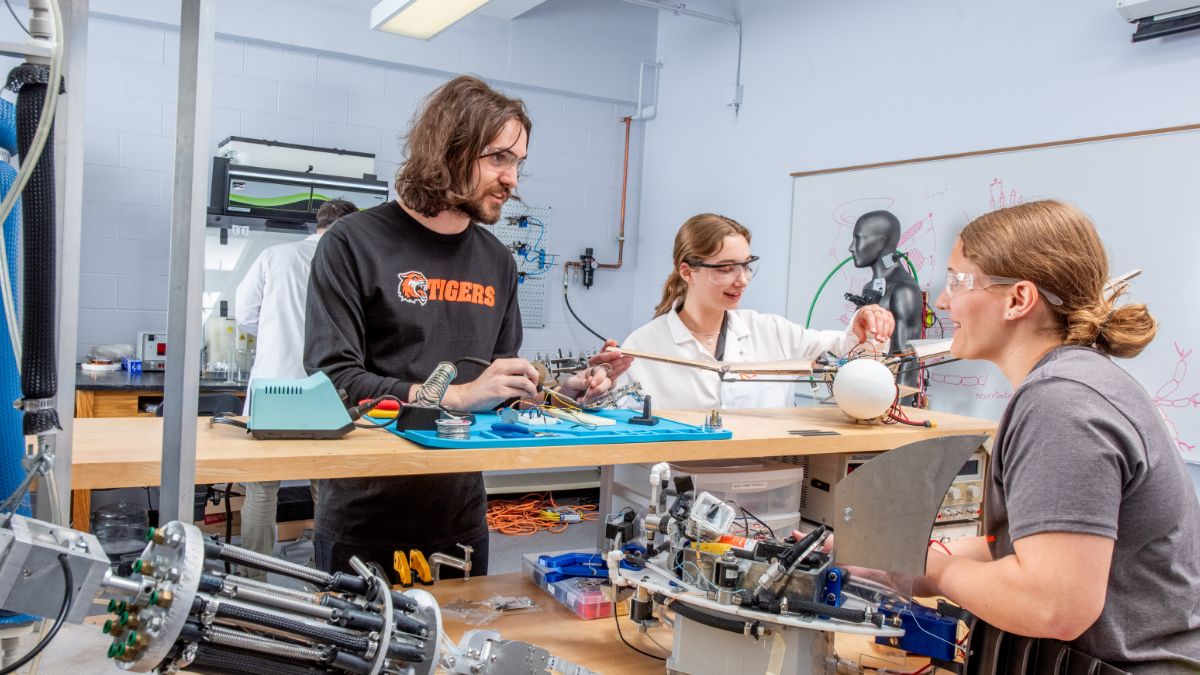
(999, 200)
(1166, 397)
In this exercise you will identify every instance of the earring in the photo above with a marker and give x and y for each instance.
(1011, 314)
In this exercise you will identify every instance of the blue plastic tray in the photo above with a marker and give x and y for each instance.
(482, 435)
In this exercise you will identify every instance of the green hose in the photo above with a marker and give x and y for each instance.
(813, 306)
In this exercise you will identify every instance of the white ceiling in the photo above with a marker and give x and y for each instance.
(508, 9)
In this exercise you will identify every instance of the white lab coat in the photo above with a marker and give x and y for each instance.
(270, 303)
(750, 337)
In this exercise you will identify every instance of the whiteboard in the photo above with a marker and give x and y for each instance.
(1142, 191)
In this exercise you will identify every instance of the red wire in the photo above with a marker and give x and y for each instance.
(523, 516)
(943, 546)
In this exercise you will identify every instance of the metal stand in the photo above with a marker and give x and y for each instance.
(182, 382)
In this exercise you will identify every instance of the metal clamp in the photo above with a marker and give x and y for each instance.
(372, 645)
(33, 405)
(438, 559)
(185, 658)
(210, 612)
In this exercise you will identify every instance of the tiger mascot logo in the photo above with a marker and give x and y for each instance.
(414, 288)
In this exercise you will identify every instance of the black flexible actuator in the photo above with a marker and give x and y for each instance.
(39, 362)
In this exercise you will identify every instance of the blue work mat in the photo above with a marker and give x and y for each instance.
(482, 435)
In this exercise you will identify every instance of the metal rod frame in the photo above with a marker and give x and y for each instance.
(185, 283)
(68, 163)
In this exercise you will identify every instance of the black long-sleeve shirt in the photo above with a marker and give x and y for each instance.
(388, 299)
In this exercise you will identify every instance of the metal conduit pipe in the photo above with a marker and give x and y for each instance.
(279, 601)
(682, 9)
(233, 638)
(257, 620)
(732, 23)
(243, 582)
(243, 613)
(222, 661)
(266, 563)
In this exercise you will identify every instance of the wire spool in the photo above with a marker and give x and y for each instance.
(454, 428)
(864, 389)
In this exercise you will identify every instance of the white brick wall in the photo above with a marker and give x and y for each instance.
(307, 95)
(271, 63)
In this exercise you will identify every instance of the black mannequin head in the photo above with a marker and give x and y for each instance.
(876, 234)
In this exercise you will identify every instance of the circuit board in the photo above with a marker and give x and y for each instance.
(525, 230)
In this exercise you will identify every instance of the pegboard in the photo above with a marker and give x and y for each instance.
(535, 263)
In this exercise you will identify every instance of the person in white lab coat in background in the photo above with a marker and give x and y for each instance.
(270, 304)
(698, 318)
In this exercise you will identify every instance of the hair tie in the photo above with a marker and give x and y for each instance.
(1107, 318)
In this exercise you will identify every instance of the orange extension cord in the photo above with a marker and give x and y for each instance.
(534, 513)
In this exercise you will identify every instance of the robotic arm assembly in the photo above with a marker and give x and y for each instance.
(179, 612)
(744, 605)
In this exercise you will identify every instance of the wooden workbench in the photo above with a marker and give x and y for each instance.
(595, 644)
(125, 452)
(121, 394)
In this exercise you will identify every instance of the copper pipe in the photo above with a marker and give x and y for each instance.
(621, 233)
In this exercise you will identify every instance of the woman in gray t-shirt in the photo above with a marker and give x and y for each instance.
(1092, 525)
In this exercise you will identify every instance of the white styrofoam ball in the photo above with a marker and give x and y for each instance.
(864, 389)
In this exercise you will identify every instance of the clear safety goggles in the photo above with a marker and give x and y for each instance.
(723, 273)
(961, 282)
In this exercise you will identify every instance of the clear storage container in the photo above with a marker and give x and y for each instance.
(121, 529)
(584, 596)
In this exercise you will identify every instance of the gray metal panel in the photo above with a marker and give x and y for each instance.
(885, 510)
(182, 381)
(31, 577)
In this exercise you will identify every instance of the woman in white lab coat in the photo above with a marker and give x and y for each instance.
(698, 318)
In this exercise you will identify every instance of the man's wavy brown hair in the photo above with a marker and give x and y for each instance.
(448, 134)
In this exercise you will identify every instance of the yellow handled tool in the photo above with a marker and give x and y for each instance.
(420, 567)
(400, 563)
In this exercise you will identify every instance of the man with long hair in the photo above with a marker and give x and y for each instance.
(400, 287)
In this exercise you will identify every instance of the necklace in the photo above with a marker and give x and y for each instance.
(707, 337)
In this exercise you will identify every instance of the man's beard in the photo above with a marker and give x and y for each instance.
(478, 209)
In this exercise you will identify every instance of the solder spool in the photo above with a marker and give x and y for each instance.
(450, 427)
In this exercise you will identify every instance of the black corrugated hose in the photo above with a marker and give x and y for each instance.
(319, 633)
(740, 626)
(219, 660)
(39, 362)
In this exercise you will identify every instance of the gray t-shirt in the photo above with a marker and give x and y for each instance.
(1082, 448)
